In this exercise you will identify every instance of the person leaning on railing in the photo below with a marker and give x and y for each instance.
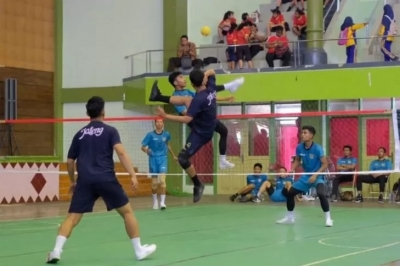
(186, 56)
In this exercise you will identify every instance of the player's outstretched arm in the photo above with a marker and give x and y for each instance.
(181, 119)
(126, 162)
(209, 72)
(172, 152)
(230, 99)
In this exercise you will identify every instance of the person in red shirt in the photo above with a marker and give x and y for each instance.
(278, 48)
(276, 20)
(300, 24)
(225, 25)
(231, 39)
(243, 49)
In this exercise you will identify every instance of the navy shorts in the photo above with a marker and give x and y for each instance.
(86, 193)
(231, 54)
(194, 143)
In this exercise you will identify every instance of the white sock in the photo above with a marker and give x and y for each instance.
(327, 215)
(155, 201)
(290, 215)
(60, 241)
(222, 158)
(136, 243)
(162, 199)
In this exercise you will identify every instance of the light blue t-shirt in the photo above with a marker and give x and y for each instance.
(256, 180)
(347, 161)
(157, 143)
(185, 92)
(311, 157)
(280, 182)
(380, 165)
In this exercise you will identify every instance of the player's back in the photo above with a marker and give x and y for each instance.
(93, 147)
(310, 157)
(157, 142)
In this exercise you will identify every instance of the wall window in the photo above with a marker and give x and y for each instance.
(230, 109)
(376, 104)
(258, 109)
(343, 105)
(287, 108)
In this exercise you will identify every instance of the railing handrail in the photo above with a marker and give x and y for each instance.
(329, 9)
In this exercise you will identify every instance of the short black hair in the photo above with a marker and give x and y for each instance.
(244, 16)
(257, 165)
(310, 129)
(172, 77)
(384, 149)
(278, 28)
(95, 107)
(184, 36)
(196, 77)
(348, 147)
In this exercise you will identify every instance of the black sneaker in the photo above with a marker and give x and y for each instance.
(289, 9)
(233, 197)
(380, 199)
(244, 199)
(198, 193)
(333, 198)
(359, 199)
(155, 92)
(221, 42)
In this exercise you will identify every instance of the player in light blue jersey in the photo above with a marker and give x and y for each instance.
(313, 160)
(156, 145)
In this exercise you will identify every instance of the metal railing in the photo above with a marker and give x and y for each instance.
(152, 61)
(333, 5)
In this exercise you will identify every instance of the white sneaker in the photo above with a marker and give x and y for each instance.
(145, 251)
(329, 223)
(238, 82)
(53, 257)
(155, 206)
(224, 164)
(286, 220)
(163, 206)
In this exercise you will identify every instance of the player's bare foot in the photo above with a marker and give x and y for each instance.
(53, 257)
(198, 193)
(155, 92)
(145, 251)
(163, 206)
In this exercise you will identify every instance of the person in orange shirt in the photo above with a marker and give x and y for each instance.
(278, 48)
(225, 25)
(231, 39)
(276, 20)
(243, 49)
(300, 24)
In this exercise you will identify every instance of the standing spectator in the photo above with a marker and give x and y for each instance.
(243, 49)
(225, 24)
(256, 40)
(300, 24)
(231, 39)
(278, 48)
(186, 56)
(276, 20)
(346, 164)
(348, 33)
(382, 164)
(387, 31)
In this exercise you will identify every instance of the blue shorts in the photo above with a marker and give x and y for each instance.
(87, 192)
(195, 142)
(158, 164)
(231, 54)
(277, 196)
(303, 185)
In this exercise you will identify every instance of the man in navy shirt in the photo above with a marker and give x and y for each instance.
(92, 149)
(314, 162)
(202, 114)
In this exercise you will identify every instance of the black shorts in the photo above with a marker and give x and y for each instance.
(194, 143)
(286, 25)
(86, 194)
(243, 53)
(224, 32)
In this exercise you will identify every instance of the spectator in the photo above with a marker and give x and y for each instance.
(348, 32)
(346, 164)
(243, 49)
(247, 17)
(186, 56)
(261, 143)
(396, 191)
(254, 39)
(231, 39)
(225, 24)
(387, 32)
(300, 24)
(294, 4)
(278, 48)
(276, 20)
(382, 164)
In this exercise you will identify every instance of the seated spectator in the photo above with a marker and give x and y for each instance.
(231, 39)
(225, 24)
(294, 4)
(254, 182)
(186, 56)
(346, 164)
(256, 40)
(396, 191)
(276, 20)
(348, 33)
(382, 164)
(243, 49)
(387, 32)
(278, 48)
(300, 24)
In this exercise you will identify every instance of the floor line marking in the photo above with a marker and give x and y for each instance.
(321, 241)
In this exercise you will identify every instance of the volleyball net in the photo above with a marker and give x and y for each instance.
(269, 139)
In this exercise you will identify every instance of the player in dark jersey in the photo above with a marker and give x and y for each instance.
(202, 114)
(92, 149)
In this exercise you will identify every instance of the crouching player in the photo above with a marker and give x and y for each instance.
(254, 183)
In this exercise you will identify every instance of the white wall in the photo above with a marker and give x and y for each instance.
(98, 34)
(131, 132)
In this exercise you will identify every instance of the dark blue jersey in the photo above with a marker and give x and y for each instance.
(203, 110)
(92, 147)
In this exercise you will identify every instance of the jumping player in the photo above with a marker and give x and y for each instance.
(202, 114)
(92, 149)
(178, 81)
(313, 160)
(156, 145)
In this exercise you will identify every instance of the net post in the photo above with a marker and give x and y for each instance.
(396, 124)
